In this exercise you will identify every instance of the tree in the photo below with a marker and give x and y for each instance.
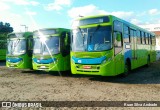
(5, 28)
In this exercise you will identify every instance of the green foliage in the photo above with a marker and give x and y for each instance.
(5, 28)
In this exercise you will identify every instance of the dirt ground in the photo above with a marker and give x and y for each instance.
(142, 84)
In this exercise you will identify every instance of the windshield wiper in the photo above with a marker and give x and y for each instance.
(97, 28)
(81, 34)
(81, 31)
(10, 44)
(15, 45)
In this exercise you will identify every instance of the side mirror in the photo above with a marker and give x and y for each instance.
(118, 36)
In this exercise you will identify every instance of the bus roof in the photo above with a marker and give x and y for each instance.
(19, 35)
(53, 29)
(112, 18)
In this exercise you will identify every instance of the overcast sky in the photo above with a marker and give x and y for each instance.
(60, 13)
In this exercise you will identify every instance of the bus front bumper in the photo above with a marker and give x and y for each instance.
(106, 69)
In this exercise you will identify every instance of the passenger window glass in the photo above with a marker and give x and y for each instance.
(126, 30)
(143, 37)
(146, 38)
(126, 34)
(117, 26)
(126, 38)
(118, 42)
(149, 42)
(138, 37)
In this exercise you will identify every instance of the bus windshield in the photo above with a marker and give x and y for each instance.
(92, 39)
(45, 32)
(15, 35)
(16, 47)
(47, 47)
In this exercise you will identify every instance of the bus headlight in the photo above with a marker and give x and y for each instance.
(38, 61)
(104, 61)
(72, 61)
(55, 61)
(109, 59)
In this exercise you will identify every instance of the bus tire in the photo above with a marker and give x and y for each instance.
(127, 69)
(148, 61)
(65, 73)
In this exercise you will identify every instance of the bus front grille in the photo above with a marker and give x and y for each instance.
(89, 71)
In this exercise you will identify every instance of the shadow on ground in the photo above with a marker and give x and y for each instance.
(137, 76)
(52, 73)
(141, 75)
(2, 63)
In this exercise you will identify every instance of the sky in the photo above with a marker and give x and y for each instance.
(38, 14)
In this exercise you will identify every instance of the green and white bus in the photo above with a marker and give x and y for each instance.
(108, 46)
(51, 51)
(19, 50)
(3, 47)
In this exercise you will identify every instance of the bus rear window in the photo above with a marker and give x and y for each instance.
(94, 20)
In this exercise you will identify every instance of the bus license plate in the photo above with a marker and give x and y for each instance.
(11, 65)
(87, 67)
(43, 66)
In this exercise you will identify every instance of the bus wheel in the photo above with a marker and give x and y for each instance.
(148, 61)
(66, 73)
(127, 69)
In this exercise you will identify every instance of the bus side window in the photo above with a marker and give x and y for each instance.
(151, 39)
(146, 35)
(65, 44)
(118, 26)
(126, 34)
(143, 37)
(117, 42)
(30, 46)
(131, 33)
(148, 39)
(134, 34)
(138, 37)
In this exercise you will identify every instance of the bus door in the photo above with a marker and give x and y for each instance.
(118, 47)
(127, 44)
(134, 47)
